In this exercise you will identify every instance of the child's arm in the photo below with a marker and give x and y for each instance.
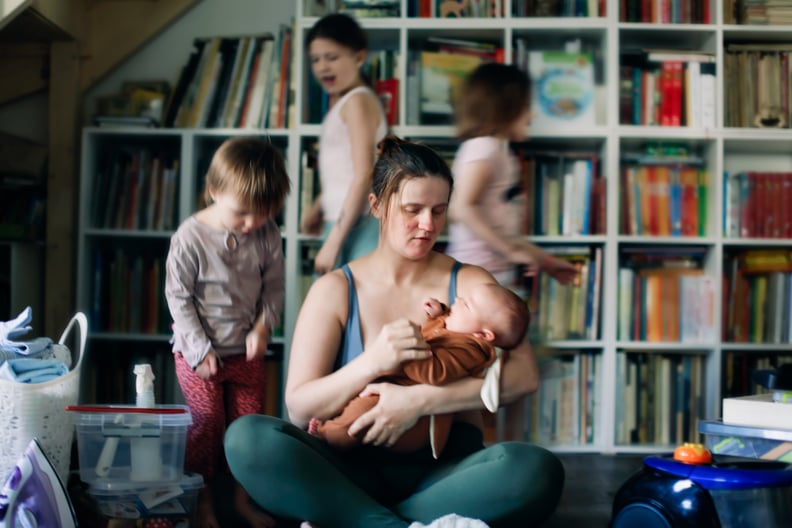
(361, 115)
(181, 270)
(474, 178)
(271, 296)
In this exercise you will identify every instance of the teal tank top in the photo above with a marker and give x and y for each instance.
(352, 345)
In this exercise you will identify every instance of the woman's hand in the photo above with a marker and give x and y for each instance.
(397, 342)
(395, 412)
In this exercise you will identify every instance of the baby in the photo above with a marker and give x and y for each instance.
(463, 341)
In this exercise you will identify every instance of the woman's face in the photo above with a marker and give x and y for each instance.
(417, 214)
(336, 67)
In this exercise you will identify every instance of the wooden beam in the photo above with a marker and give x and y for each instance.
(27, 65)
(62, 185)
(60, 14)
(115, 30)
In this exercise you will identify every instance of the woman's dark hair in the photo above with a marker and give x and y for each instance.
(400, 160)
(490, 99)
(340, 28)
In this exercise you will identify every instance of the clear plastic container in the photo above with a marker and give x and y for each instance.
(741, 440)
(124, 444)
(131, 500)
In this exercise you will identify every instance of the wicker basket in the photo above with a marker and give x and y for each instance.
(37, 410)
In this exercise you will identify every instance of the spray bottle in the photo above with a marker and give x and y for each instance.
(145, 449)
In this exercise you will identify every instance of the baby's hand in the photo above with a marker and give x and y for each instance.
(433, 308)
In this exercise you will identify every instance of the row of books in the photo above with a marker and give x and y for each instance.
(234, 82)
(758, 12)
(665, 296)
(666, 11)
(756, 204)
(661, 305)
(559, 8)
(758, 297)
(661, 400)
(136, 189)
(757, 85)
(570, 311)
(671, 88)
(566, 194)
(128, 291)
(566, 408)
(455, 8)
(664, 200)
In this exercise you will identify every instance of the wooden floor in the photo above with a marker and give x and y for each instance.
(591, 483)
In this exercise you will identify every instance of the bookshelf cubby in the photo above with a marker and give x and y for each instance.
(627, 392)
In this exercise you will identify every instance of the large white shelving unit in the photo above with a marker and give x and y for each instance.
(724, 149)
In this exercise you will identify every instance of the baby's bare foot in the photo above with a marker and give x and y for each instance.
(313, 426)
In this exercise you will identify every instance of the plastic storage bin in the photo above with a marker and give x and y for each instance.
(122, 444)
(131, 500)
(741, 440)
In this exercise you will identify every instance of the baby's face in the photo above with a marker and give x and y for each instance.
(471, 314)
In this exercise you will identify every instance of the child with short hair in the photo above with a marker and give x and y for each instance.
(462, 341)
(225, 286)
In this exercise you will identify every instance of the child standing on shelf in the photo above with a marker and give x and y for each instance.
(225, 286)
(493, 110)
(351, 130)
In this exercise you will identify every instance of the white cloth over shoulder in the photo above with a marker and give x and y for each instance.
(452, 520)
(490, 390)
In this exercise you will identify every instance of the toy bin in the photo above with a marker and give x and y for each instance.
(175, 501)
(122, 444)
(741, 440)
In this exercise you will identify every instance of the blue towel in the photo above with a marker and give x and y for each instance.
(10, 331)
(31, 370)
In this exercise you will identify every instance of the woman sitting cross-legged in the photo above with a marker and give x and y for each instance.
(358, 324)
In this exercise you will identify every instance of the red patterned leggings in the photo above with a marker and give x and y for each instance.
(237, 389)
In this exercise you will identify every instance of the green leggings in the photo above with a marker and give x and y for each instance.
(294, 475)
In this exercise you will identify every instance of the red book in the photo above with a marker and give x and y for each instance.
(666, 96)
(675, 110)
(786, 198)
(388, 90)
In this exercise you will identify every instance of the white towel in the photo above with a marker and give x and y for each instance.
(490, 390)
(452, 520)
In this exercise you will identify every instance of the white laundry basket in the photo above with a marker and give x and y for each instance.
(29, 410)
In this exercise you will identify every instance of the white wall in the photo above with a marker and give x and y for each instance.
(163, 57)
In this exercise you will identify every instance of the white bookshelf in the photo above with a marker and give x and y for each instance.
(723, 149)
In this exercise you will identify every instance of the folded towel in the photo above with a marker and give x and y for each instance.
(452, 520)
(30, 370)
(18, 326)
(11, 331)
